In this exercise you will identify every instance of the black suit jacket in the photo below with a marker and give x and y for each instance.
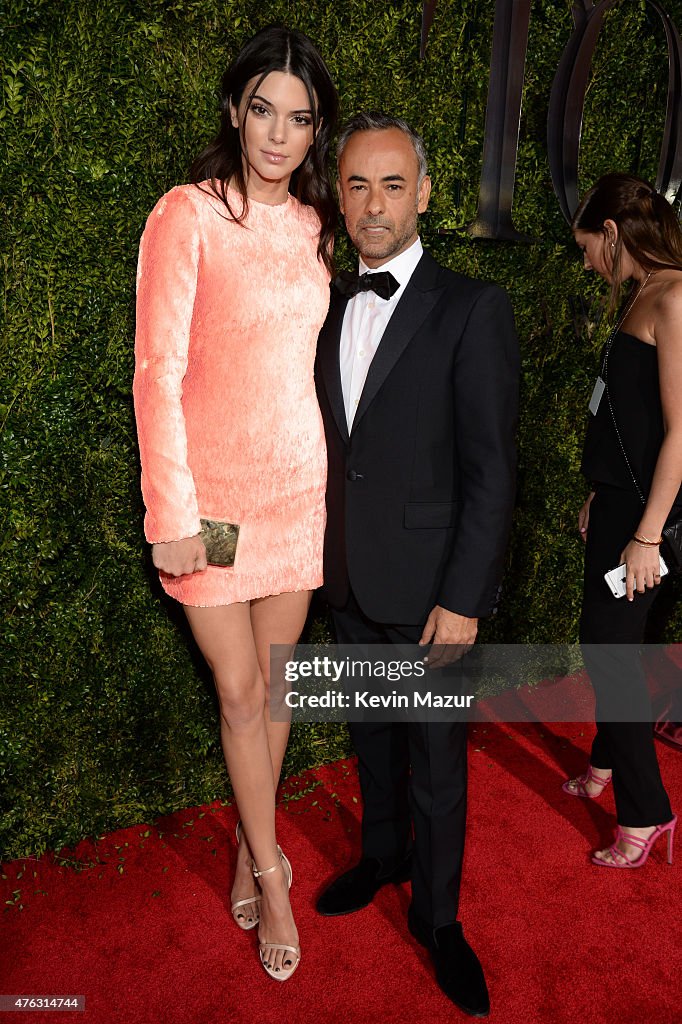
(420, 495)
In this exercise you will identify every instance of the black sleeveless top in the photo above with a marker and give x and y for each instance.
(632, 377)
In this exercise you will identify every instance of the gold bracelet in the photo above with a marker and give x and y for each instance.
(645, 542)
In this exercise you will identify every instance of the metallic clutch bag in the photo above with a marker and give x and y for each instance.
(220, 541)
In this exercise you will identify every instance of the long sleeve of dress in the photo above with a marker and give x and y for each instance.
(228, 316)
(166, 288)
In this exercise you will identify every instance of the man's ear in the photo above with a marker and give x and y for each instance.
(423, 194)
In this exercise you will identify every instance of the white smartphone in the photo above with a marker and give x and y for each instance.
(615, 578)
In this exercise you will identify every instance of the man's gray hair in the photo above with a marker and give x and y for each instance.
(375, 120)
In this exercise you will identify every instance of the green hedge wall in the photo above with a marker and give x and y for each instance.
(107, 716)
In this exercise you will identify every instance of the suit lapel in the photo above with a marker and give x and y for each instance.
(420, 296)
(328, 359)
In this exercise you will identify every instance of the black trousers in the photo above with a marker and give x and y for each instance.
(412, 774)
(615, 669)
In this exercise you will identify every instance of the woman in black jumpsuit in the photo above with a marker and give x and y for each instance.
(633, 459)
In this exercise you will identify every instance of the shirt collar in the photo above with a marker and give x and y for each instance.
(401, 266)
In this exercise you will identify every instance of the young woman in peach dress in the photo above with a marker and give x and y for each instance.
(233, 287)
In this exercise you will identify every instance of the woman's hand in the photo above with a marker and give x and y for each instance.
(642, 567)
(584, 516)
(180, 557)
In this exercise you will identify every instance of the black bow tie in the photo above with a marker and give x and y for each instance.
(383, 283)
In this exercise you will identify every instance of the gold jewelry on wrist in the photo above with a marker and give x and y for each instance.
(639, 538)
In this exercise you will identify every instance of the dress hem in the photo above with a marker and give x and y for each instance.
(294, 589)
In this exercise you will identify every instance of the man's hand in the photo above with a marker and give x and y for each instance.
(180, 557)
(451, 636)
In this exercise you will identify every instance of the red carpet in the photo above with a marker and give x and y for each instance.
(146, 936)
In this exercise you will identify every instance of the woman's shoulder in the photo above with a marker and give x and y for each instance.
(667, 306)
(196, 195)
(307, 215)
(188, 208)
(669, 288)
(177, 201)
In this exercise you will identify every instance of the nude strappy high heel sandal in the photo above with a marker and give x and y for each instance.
(279, 973)
(241, 918)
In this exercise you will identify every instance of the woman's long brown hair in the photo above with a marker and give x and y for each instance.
(648, 227)
(276, 48)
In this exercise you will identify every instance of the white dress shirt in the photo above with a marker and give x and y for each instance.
(364, 323)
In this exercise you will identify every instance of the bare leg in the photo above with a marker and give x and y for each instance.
(277, 620)
(226, 638)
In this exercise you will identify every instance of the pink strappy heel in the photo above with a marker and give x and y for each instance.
(582, 783)
(621, 860)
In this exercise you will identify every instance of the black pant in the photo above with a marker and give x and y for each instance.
(627, 748)
(411, 773)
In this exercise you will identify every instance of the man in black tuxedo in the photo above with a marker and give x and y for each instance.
(418, 390)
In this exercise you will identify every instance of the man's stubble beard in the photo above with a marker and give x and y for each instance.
(392, 245)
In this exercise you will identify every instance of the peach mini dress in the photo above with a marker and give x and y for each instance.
(228, 423)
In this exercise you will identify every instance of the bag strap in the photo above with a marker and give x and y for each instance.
(620, 442)
(605, 373)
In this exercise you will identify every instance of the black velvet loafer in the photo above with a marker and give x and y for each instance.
(356, 888)
(458, 970)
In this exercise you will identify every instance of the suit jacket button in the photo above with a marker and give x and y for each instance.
(351, 475)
